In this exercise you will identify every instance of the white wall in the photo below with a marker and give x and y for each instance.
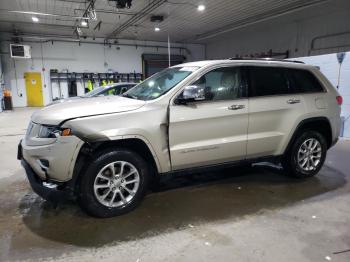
(75, 58)
(329, 66)
(293, 32)
(1, 82)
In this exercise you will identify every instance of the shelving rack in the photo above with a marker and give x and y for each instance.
(116, 77)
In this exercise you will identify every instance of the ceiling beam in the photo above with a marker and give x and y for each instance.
(34, 38)
(36, 24)
(73, 1)
(38, 13)
(69, 36)
(106, 11)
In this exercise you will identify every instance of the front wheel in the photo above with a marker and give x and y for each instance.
(114, 184)
(306, 156)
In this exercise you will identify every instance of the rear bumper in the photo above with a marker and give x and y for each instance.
(49, 191)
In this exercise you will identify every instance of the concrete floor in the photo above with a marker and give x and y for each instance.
(238, 214)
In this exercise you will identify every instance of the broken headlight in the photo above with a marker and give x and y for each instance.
(53, 132)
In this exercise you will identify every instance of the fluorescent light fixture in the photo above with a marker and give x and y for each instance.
(157, 29)
(44, 14)
(201, 8)
(35, 19)
(83, 23)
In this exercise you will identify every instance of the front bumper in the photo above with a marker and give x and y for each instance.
(54, 161)
(44, 186)
(51, 192)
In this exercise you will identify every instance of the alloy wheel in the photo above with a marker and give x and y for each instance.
(309, 154)
(116, 184)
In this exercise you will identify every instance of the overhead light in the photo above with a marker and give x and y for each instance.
(83, 23)
(157, 29)
(35, 19)
(201, 8)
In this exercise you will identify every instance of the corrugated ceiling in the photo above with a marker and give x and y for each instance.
(182, 20)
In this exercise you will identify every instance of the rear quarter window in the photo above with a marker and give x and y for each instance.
(303, 81)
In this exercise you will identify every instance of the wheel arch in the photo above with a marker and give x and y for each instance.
(90, 149)
(319, 124)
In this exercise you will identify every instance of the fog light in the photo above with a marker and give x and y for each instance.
(44, 163)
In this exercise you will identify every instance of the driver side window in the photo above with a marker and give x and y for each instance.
(224, 83)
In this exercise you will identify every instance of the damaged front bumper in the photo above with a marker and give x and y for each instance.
(49, 190)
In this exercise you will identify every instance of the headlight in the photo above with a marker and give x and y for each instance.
(53, 132)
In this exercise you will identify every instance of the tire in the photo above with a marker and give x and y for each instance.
(127, 187)
(301, 153)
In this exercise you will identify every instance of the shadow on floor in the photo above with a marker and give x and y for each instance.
(193, 199)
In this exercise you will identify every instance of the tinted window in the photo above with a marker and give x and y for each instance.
(265, 81)
(222, 84)
(125, 88)
(118, 90)
(303, 81)
(109, 92)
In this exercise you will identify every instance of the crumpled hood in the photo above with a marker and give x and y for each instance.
(75, 108)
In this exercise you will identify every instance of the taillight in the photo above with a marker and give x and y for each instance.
(339, 100)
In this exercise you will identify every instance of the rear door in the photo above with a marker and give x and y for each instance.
(215, 130)
(274, 110)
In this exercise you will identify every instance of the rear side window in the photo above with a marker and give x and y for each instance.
(265, 81)
(303, 81)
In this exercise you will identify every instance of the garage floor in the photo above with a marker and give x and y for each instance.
(239, 214)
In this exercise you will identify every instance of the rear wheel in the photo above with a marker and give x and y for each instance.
(306, 156)
(114, 184)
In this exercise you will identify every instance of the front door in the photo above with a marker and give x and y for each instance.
(34, 88)
(214, 130)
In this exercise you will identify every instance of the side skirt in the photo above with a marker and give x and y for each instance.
(272, 159)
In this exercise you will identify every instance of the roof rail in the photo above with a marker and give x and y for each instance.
(266, 59)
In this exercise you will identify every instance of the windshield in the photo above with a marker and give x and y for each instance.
(160, 83)
(96, 91)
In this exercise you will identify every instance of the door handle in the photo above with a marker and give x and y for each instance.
(293, 101)
(236, 107)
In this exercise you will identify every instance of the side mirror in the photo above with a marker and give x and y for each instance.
(191, 94)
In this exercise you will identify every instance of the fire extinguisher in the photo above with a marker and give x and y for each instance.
(7, 100)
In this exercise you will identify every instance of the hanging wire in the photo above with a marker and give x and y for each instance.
(168, 27)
